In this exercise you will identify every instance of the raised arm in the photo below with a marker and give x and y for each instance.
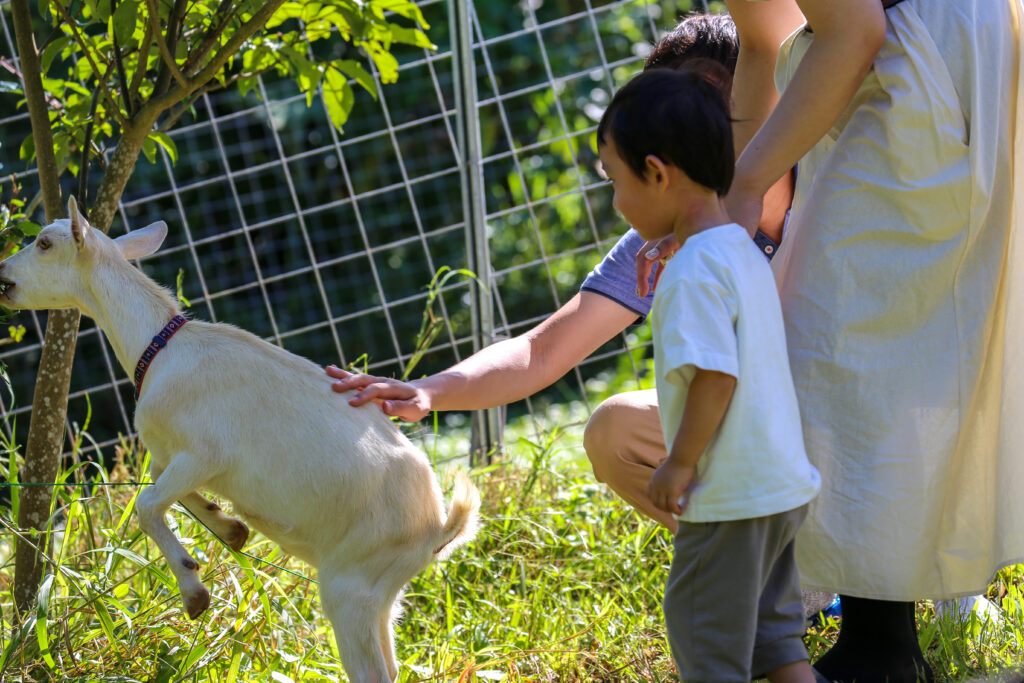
(847, 36)
(761, 27)
(503, 372)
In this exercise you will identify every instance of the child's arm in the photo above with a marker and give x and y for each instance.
(706, 402)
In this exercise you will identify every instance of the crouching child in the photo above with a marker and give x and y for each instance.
(737, 476)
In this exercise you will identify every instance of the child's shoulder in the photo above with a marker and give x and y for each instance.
(710, 253)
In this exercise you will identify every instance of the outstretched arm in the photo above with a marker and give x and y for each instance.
(503, 372)
(847, 36)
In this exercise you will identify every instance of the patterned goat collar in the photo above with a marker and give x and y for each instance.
(159, 342)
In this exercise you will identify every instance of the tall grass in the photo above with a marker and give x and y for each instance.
(563, 583)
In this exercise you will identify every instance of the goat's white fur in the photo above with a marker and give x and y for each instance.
(220, 409)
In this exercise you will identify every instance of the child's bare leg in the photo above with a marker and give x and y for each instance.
(796, 672)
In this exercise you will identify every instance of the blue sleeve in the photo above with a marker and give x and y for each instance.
(615, 276)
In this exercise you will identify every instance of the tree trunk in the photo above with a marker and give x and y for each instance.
(42, 452)
(49, 407)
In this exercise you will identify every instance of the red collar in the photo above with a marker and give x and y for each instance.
(159, 342)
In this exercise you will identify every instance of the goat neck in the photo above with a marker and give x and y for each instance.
(129, 308)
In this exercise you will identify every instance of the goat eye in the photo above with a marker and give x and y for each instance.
(43, 244)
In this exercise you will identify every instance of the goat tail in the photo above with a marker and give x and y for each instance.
(460, 525)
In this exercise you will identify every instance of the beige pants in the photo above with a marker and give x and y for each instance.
(625, 445)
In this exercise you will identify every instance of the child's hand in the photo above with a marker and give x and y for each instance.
(669, 484)
(652, 256)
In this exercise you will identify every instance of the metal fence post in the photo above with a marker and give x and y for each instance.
(486, 433)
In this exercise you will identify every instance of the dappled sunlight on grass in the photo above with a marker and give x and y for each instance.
(563, 583)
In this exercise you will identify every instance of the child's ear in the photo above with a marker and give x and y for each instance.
(656, 171)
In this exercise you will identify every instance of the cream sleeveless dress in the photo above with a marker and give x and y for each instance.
(902, 283)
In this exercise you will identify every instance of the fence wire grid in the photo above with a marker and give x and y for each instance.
(324, 242)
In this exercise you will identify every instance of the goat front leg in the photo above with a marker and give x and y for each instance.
(179, 479)
(231, 530)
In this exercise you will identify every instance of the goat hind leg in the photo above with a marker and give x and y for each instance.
(386, 634)
(355, 613)
(177, 480)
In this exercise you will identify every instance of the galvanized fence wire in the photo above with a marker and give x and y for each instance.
(323, 242)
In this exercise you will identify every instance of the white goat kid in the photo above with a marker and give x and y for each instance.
(220, 409)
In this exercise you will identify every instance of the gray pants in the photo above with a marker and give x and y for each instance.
(732, 604)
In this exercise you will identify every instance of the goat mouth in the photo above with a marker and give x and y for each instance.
(5, 288)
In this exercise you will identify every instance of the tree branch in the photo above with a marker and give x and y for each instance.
(212, 86)
(101, 79)
(119, 63)
(143, 65)
(83, 167)
(161, 43)
(126, 153)
(49, 404)
(174, 21)
(160, 103)
(35, 98)
(209, 41)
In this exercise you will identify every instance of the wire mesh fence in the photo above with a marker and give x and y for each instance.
(324, 242)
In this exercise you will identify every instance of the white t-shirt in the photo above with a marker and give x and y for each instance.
(716, 308)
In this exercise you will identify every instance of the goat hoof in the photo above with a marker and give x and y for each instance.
(238, 535)
(197, 603)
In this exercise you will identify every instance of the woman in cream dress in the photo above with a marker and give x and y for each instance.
(901, 282)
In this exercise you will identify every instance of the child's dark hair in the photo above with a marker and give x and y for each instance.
(679, 117)
(699, 36)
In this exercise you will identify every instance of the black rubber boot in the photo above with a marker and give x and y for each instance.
(877, 644)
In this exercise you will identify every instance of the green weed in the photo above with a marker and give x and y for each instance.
(563, 583)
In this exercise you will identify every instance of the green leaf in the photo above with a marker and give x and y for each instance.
(149, 149)
(337, 96)
(101, 9)
(52, 50)
(61, 146)
(103, 615)
(403, 8)
(28, 228)
(307, 75)
(246, 85)
(124, 21)
(354, 69)
(165, 141)
(411, 36)
(27, 151)
(289, 10)
(181, 291)
(199, 649)
(17, 635)
(42, 607)
(311, 11)
(386, 64)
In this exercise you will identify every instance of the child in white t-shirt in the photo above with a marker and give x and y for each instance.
(737, 475)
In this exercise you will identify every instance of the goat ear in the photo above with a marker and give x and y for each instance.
(142, 242)
(79, 226)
